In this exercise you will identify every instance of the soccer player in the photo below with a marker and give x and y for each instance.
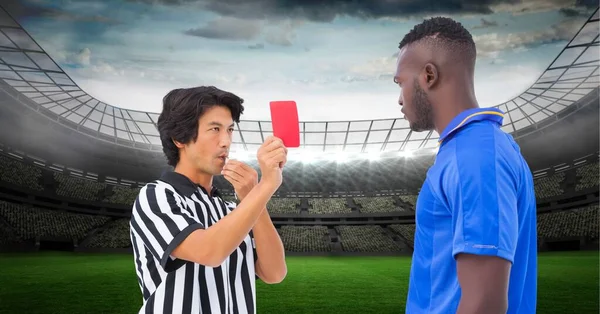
(194, 252)
(475, 238)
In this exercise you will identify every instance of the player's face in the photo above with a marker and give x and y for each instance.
(416, 107)
(210, 151)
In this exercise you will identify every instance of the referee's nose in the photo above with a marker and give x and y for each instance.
(225, 140)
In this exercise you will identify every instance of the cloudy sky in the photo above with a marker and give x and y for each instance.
(337, 55)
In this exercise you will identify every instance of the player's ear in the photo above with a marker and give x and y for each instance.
(430, 76)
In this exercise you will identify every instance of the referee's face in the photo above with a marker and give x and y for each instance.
(211, 149)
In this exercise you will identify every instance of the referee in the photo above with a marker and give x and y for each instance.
(475, 247)
(194, 252)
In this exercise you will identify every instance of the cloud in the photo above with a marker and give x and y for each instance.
(256, 46)
(228, 28)
(486, 24)
(490, 45)
(537, 6)
(329, 95)
(316, 11)
(85, 65)
(281, 35)
(39, 9)
(573, 12)
(82, 58)
(319, 11)
(514, 79)
(375, 69)
(137, 71)
(361, 100)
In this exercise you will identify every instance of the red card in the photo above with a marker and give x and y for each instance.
(284, 116)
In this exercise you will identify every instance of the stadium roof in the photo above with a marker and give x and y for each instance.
(26, 67)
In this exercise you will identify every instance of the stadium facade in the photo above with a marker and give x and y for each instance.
(71, 166)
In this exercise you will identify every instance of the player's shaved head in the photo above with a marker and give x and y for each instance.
(435, 69)
(442, 42)
(444, 38)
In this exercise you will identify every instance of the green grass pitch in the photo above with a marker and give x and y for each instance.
(105, 283)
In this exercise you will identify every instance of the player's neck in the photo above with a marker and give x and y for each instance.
(196, 175)
(453, 105)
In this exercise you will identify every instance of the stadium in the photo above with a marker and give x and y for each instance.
(71, 167)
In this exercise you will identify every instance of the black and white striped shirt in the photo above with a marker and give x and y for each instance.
(165, 212)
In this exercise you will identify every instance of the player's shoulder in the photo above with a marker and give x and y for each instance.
(481, 154)
(475, 134)
(482, 143)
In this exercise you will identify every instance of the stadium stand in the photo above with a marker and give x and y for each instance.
(587, 176)
(115, 235)
(409, 199)
(121, 195)
(21, 174)
(31, 222)
(78, 188)
(36, 218)
(377, 204)
(7, 234)
(549, 186)
(284, 205)
(577, 222)
(367, 239)
(305, 238)
(407, 232)
(328, 206)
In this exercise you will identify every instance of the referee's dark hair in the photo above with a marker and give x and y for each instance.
(443, 33)
(183, 107)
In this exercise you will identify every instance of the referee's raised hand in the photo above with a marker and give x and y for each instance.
(272, 156)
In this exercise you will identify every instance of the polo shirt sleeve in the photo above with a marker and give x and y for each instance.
(162, 222)
(481, 193)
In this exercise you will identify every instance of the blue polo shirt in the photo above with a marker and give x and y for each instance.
(477, 198)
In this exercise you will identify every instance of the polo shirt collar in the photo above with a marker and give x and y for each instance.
(472, 115)
(184, 185)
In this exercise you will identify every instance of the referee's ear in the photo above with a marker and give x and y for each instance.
(431, 75)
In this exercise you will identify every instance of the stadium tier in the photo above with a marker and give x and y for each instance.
(39, 205)
(28, 225)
